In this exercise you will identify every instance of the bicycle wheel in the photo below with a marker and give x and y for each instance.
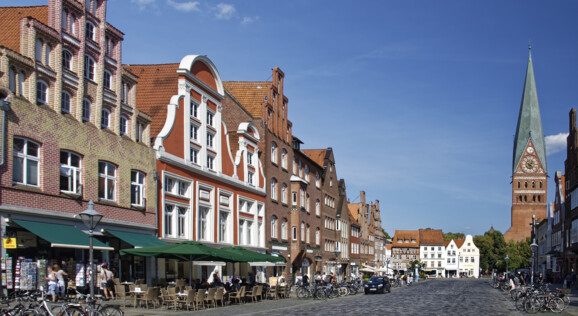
(72, 311)
(300, 293)
(556, 305)
(531, 306)
(343, 291)
(110, 310)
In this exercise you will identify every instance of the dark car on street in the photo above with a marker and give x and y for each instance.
(377, 284)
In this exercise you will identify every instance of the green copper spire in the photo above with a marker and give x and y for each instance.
(529, 121)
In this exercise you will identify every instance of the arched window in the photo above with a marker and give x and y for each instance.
(540, 184)
(284, 229)
(66, 59)
(273, 152)
(317, 236)
(41, 92)
(526, 184)
(307, 234)
(64, 18)
(105, 118)
(65, 102)
(317, 207)
(274, 189)
(302, 231)
(518, 184)
(72, 24)
(38, 50)
(533, 184)
(284, 158)
(273, 226)
(284, 193)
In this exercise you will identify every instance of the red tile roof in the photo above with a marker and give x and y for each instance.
(431, 237)
(10, 23)
(353, 212)
(156, 85)
(317, 155)
(251, 94)
(404, 235)
(459, 242)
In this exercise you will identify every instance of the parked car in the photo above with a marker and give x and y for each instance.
(377, 284)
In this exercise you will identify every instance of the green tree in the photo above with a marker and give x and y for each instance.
(385, 234)
(450, 236)
(493, 250)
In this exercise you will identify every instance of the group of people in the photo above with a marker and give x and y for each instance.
(522, 279)
(55, 276)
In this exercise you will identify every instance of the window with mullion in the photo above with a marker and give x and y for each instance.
(26, 162)
(70, 173)
(202, 224)
(223, 226)
(182, 221)
(106, 181)
(169, 214)
(137, 183)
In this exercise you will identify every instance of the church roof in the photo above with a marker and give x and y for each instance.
(529, 122)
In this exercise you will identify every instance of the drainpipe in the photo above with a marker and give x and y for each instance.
(4, 107)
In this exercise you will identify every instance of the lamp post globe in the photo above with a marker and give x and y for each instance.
(91, 218)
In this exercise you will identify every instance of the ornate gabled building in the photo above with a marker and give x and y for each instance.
(529, 168)
(209, 190)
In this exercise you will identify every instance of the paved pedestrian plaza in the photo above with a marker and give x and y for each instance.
(431, 297)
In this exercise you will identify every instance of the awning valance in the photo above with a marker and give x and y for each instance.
(61, 236)
(136, 239)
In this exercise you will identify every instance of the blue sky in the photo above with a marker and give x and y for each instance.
(418, 99)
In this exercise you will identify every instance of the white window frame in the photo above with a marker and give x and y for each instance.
(194, 155)
(203, 223)
(273, 189)
(105, 118)
(284, 158)
(210, 162)
(42, 92)
(274, 152)
(210, 139)
(137, 188)
(71, 172)
(29, 162)
(284, 229)
(182, 221)
(294, 233)
(108, 179)
(274, 226)
(210, 118)
(67, 59)
(89, 67)
(284, 193)
(194, 132)
(169, 215)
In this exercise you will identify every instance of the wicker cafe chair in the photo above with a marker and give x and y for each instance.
(252, 294)
(238, 296)
(200, 298)
(168, 299)
(220, 296)
(210, 298)
(190, 299)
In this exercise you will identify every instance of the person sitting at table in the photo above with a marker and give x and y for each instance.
(244, 282)
(197, 284)
(204, 284)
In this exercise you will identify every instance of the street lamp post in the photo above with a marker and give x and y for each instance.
(534, 247)
(507, 260)
(91, 218)
(387, 265)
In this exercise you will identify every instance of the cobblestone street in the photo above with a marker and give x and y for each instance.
(433, 297)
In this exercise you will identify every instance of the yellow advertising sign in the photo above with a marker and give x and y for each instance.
(9, 243)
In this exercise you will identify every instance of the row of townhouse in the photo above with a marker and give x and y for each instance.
(166, 152)
(440, 258)
(556, 236)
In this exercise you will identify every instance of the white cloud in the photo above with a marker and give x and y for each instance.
(142, 4)
(248, 20)
(184, 6)
(224, 11)
(555, 143)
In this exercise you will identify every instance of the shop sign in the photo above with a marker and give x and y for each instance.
(9, 243)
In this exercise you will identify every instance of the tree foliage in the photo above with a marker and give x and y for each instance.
(450, 236)
(493, 250)
(385, 234)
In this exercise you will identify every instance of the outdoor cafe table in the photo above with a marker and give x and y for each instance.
(136, 295)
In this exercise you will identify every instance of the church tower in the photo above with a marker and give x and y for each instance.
(529, 171)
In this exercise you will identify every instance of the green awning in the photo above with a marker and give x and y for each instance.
(61, 236)
(136, 239)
